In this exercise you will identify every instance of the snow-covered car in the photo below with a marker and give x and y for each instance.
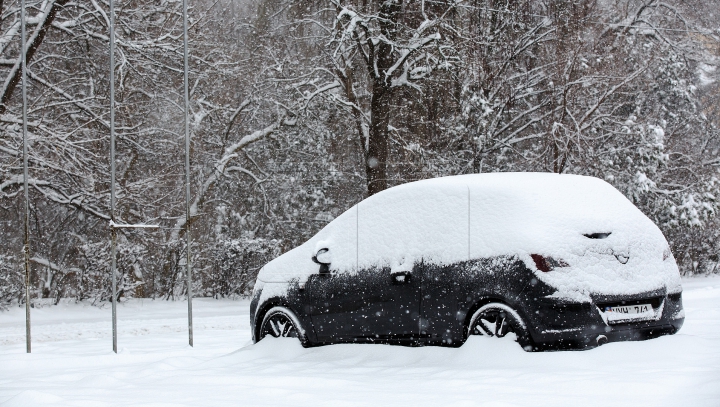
(553, 261)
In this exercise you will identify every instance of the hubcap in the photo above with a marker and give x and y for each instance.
(492, 322)
(279, 325)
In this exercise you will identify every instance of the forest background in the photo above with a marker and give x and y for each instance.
(300, 109)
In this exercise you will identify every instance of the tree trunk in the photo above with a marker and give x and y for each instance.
(377, 152)
(377, 148)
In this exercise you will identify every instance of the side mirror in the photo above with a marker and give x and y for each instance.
(322, 257)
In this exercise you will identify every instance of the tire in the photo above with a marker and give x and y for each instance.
(497, 320)
(280, 322)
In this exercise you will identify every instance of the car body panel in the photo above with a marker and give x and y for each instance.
(371, 304)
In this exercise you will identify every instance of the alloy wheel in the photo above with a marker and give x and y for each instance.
(493, 322)
(280, 322)
(278, 325)
(497, 320)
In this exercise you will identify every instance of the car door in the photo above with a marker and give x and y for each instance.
(338, 305)
(372, 304)
(395, 312)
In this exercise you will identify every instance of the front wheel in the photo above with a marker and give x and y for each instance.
(498, 320)
(280, 322)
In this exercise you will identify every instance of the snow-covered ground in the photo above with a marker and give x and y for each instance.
(72, 364)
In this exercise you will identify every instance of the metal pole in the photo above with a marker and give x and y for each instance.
(187, 172)
(26, 247)
(112, 176)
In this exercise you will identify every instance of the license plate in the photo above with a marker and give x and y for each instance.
(630, 309)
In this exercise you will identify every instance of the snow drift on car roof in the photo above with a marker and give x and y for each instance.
(583, 220)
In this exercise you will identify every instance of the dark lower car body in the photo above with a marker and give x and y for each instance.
(433, 305)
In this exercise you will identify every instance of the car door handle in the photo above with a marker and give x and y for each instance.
(400, 278)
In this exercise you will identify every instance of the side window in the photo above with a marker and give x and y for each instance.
(402, 226)
(495, 222)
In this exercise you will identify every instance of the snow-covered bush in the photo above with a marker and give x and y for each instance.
(12, 284)
(236, 264)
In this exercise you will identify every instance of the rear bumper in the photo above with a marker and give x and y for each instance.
(641, 332)
(578, 326)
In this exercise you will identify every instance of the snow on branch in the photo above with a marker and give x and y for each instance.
(221, 167)
(114, 225)
(53, 266)
(44, 21)
(380, 38)
(53, 193)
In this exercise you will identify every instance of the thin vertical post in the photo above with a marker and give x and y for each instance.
(113, 231)
(188, 262)
(26, 246)
(469, 230)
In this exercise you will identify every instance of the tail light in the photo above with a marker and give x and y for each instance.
(546, 263)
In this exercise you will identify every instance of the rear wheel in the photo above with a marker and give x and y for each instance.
(280, 322)
(498, 320)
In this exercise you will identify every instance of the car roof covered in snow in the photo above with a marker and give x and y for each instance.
(458, 218)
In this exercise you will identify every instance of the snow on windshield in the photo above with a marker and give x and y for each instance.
(453, 219)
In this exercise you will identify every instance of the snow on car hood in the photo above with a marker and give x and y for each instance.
(453, 219)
